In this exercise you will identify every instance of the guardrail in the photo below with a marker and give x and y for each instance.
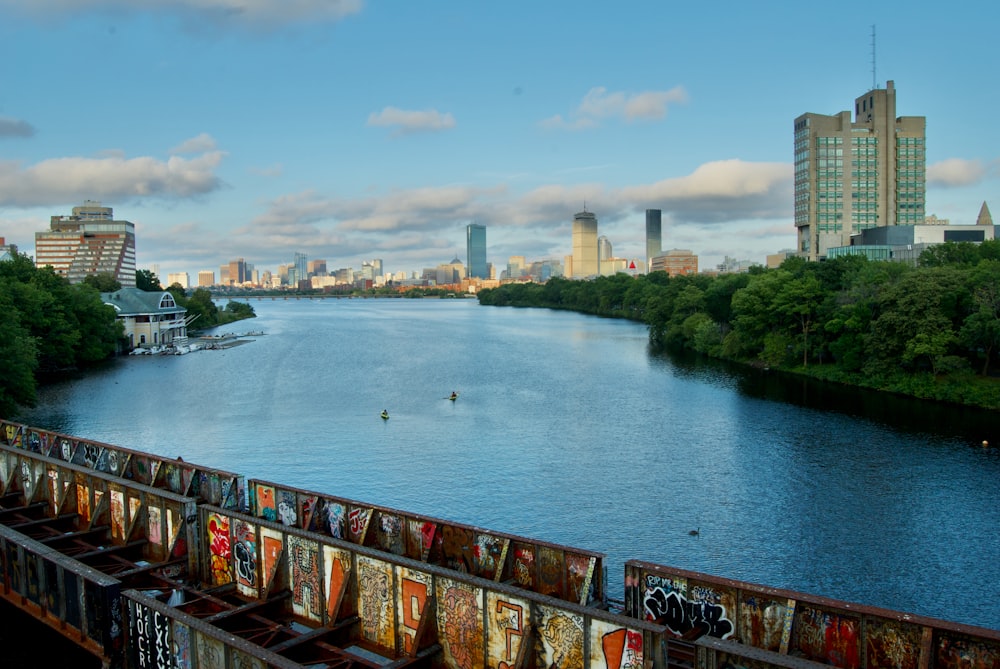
(832, 632)
(570, 574)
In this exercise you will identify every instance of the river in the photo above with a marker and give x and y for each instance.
(568, 429)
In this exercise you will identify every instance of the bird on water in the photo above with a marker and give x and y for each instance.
(695, 533)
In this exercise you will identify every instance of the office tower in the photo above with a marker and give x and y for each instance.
(851, 176)
(604, 255)
(86, 243)
(475, 251)
(180, 278)
(316, 267)
(584, 245)
(206, 277)
(654, 233)
(238, 272)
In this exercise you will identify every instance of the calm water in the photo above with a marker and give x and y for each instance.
(568, 430)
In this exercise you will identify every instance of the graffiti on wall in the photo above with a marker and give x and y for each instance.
(337, 564)
(665, 602)
(219, 550)
(420, 538)
(413, 586)
(892, 645)
(618, 647)
(286, 507)
(524, 565)
(303, 572)
(271, 545)
(460, 623)
(507, 620)
(828, 637)
(562, 639)
(375, 601)
(245, 558)
(762, 622)
(267, 508)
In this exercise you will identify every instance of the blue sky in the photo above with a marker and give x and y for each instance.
(357, 129)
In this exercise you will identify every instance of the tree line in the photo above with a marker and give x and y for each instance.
(49, 327)
(930, 331)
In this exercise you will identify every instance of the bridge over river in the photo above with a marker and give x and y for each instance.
(142, 561)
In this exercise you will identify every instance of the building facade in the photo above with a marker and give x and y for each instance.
(180, 278)
(87, 243)
(585, 263)
(475, 251)
(151, 319)
(654, 235)
(856, 175)
(675, 262)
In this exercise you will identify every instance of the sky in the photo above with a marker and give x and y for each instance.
(350, 130)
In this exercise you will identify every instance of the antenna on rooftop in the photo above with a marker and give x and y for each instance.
(874, 83)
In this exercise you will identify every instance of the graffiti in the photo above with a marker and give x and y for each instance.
(460, 624)
(564, 635)
(510, 619)
(306, 589)
(681, 615)
(286, 508)
(892, 646)
(336, 516)
(245, 562)
(65, 449)
(219, 550)
(457, 545)
(308, 507)
(266, 507)
(358, 523)
(622, 649)
(550, 571)
(414, 598)
(374, 586)
(829, 638)
(762, 623)
(524, 566)
(391, 531)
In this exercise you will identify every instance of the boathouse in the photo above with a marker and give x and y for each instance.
(151, 319)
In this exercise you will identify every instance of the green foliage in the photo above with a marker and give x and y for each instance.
(105, 282)
(918, 330)
(47, 326)
(147, 280)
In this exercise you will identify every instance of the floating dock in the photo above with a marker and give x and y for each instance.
(145, 561)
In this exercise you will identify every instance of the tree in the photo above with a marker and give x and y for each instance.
(799, 300)
(146, 280)
(18, 357)
(104, 282)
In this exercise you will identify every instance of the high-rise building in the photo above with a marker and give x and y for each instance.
(86, 243)
(604, 256)
(316, 267)
(584, 245)
(654, 234)
(180, 278)
(852, 176)
(475, 251)
(206, 277)
(238, 272)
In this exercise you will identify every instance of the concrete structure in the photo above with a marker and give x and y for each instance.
(316, 267)
(206, 278)
(852, 176)
(654, 235)
(585, 263)
(675, 262)
(984, 217)
(87, 243)
(905, 243)
(475, 251)
(605, 253)
(150, 318)
(237, 272)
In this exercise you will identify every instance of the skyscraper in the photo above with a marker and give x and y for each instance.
(851, 176)
(604, 256)
(86, 243)
(654, 237)
(475, 251)
(584, 245)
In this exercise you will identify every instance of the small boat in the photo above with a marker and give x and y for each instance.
(385, 414)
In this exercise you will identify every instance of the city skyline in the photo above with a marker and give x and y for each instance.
(269, 130)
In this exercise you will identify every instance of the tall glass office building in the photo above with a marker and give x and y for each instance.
(475, 249)
(653, 235)
(852, 176)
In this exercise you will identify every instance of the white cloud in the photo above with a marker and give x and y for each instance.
(957, 172)
(112, 177)
(410, 121)
(12, 127)
(200, 144)
(599, 104)
(251, 12)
